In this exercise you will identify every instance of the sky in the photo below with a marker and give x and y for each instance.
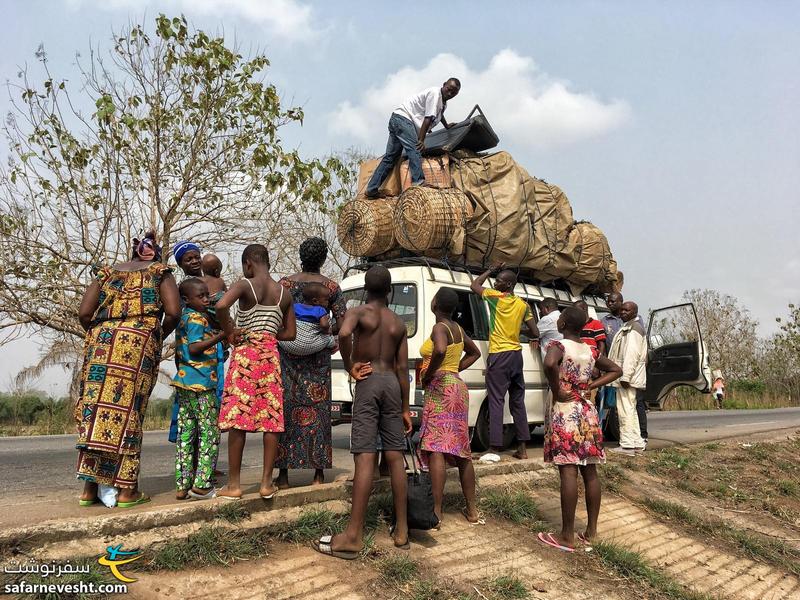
(674, 126)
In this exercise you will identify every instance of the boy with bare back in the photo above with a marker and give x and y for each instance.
(375, 352)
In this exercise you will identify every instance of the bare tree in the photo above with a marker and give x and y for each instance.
(183, 136)
(728, 331)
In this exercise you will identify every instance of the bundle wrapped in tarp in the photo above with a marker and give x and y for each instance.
(518, 219)
(588, 261)
(366, 227)
(432, 221)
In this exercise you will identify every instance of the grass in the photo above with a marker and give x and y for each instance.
(515, 506)
(507, 587)
(687, 399)
(687, 486)
(664, 461)
(97, 575)
(631, 565)
(787, 487)
(428, 589)
(210, 546)
(773, 551)
(232, 512)
(711, 446)
(397, 569)
(613, 476)
(311, 525)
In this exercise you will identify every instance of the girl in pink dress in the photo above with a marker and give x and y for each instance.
(573, 439)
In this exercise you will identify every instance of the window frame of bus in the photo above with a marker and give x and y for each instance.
(412, 284)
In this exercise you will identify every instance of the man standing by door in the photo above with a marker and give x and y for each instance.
(629, 351)
(504, 374)
(547, 325)
(409, 124)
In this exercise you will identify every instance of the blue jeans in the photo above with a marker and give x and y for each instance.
(402, 136)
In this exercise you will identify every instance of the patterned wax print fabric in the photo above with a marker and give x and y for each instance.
(507, 313)
(253, 398)
(122, 350)
(306, 441)
(572, 434)
(197, 372)
(197, 446)
(445, 426)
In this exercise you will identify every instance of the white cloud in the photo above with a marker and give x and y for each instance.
(288, 19)
(523, 104)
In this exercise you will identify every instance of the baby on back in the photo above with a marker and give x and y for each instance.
(212, 274)
(313, 322)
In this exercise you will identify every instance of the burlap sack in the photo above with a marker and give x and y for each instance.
(518, 219)
(594, 266)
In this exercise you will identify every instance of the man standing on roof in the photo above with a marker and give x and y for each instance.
(507, 313)
(409, 124)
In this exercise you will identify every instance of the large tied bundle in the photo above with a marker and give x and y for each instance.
(593, 264)
(518, 219)
(389, 187)
(431, 221)
(366, 227)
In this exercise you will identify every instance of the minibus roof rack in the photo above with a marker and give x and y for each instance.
(453, 267)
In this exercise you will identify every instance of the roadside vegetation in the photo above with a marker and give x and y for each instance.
(35, 413)
(759, 547)
(759, 476)
(632, 566)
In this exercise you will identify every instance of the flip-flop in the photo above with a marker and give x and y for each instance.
(323, 546)
(212, 493)
(89, 502)
(548, 540)
(480, 521)
(586, 541)
(142, 499)
(270, 496)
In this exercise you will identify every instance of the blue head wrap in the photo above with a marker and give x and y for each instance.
(182, 248)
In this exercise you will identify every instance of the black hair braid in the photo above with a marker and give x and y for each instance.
(313, 253)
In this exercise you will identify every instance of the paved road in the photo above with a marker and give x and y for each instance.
(38, 481)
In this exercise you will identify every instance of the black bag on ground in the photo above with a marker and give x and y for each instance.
(420, 496)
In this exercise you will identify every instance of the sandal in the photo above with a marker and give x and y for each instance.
(212, 493)
(548, 540)
(142, 499)
(586, 542)
(323, 546)
(91, 502)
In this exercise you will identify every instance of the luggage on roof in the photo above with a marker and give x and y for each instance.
(473, 133)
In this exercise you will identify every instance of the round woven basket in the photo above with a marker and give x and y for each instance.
(428, 218)
(366, 227)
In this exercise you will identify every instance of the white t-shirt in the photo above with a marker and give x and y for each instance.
(428, 103)
(548, 330)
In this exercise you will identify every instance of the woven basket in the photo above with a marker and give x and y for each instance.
(430, 219)
(365, 227)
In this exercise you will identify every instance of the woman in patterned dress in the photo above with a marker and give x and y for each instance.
(126, 311)
(573, 439)
(306, 441)
(444, 432)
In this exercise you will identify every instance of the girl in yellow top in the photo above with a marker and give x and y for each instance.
(444, 432)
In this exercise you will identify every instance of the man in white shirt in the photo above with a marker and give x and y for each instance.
(409, 124)
(548, 328)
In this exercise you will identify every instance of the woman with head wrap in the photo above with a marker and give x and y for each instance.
(306, 440)
(126, 311)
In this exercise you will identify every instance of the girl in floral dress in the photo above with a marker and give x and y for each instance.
(573, 439)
